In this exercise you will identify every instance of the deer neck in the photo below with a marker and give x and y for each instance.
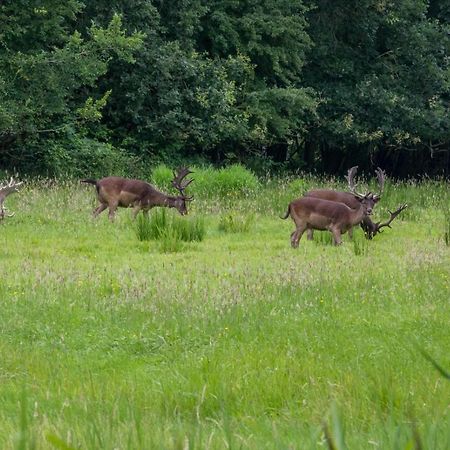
(357, 215)
(168, 201)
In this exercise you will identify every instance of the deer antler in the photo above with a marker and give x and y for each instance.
(9, 187)
(371, 229)
(350, 177)
(180, 183)
(381, 177)
(6, 189)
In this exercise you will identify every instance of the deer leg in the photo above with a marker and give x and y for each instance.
(309, 234)
(136, 210)
(337, 236)
(112, 210)
(296, 236)
(350, 233)
(99, 209)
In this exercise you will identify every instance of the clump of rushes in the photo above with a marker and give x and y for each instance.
(160, 225)
(171, 241)
(235, 223)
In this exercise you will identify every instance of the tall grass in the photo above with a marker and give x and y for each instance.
(235, 223)
(161, 224)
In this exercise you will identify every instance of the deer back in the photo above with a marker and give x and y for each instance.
(313, 209)
(126, 191)
(335, 196)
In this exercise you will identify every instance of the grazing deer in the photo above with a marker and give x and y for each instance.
(310, 213)
(114, 192)
(349, 199)
(6, 189)
(371, 229)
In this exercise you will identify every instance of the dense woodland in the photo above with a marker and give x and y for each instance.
(90, 88)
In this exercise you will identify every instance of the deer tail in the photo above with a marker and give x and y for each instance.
(287, 213)
(89, 180)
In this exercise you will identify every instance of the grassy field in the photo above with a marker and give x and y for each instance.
(237, 341)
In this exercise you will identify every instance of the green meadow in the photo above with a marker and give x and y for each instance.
(114, 339)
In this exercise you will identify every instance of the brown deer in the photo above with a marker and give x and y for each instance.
(349, 198)
(6, 189)
(371, 229)
(310, 213)
(114, 192)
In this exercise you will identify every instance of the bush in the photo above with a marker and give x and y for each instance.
(233, 180)
(82, 157)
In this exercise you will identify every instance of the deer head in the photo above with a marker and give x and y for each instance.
(180, 183)
(367, 200)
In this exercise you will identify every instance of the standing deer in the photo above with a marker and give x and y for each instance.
(311, 213)
(114, 192)
(348, 198)
(6, 189)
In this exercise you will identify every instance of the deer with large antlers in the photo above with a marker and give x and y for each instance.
(114, 192)
(369, 227)
(348, 198)
(311, 213)
(6, 189)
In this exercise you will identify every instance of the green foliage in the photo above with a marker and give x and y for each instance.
(277, 84)
(162, 176)
(45, 71)
(80, 157)
(234, 180)
(235, 223)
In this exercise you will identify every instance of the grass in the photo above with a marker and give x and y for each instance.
(233, 341)
(235, 223)
(169, 227)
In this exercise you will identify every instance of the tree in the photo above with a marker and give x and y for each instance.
(44, 68)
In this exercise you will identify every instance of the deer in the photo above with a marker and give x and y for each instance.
(349, 199)
(6, 189)
(114, 192)
(371, 229)
(311, 213)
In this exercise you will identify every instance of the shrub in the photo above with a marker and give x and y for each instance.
(81, 157)
(232, 180)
